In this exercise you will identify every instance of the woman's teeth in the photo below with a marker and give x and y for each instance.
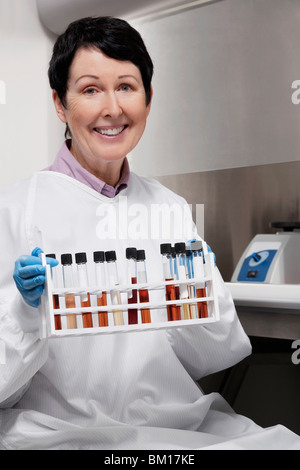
(113, 131)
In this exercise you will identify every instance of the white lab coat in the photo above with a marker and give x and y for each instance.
(116, 391)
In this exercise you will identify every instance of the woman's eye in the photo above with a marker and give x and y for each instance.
(125, 88)
(89, 91)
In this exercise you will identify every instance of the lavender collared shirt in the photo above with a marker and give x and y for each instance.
(67, 164)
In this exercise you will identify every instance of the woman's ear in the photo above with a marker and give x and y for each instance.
(149, 104)
(60, 109)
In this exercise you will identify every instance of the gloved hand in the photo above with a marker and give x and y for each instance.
(29, 276)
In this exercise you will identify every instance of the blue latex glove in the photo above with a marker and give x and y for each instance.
(29, 276)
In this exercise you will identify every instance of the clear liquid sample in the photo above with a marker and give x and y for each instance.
(100, 275)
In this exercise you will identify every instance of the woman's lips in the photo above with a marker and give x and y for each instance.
(110, 131)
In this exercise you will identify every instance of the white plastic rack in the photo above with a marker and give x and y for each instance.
(158, 308)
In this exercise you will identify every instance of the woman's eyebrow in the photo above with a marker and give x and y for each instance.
(88, 75)
(121, 77)
(95, 77)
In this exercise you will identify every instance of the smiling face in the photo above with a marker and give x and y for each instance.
(105, 110)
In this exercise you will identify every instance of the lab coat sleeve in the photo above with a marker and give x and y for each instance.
(22, 351)
(206, 349)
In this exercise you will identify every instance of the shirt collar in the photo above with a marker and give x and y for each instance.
(67, 164)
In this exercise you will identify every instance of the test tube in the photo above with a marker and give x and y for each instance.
(85, 300)
(66, 261)
(132, 279)
(198, 267)
(57, 318)
(191, 288)
(99, 259)
(113, 280)
(167, 262)
(177, 294)
(142, 278)
(182, 275)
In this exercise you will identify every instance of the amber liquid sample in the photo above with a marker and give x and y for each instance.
(202, 306)
(87, 318)
(57, 318)
(145, 312)
(133, 312)
(102, 316)
(71, 318)
(186, 311)
(170, 295)
(173, 310)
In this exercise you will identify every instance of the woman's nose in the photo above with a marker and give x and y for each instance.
(111, 106)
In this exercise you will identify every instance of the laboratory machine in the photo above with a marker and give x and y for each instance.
(268, 272)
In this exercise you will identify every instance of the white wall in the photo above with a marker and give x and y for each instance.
(29, 130)
(222, 87)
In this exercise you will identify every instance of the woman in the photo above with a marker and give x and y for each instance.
(128, 391)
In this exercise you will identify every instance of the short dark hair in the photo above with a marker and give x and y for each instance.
(113, 36)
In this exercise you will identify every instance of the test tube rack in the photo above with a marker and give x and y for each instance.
(48, 312)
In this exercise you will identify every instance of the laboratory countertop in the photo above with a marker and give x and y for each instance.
(268, 310)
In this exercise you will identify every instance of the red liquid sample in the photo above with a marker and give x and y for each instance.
(145, 312)
(178, 308)
(202, 306)
(133, 312)
(87, 318)
(102, 316)
(57, 318)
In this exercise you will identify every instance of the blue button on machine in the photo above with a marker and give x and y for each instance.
(255, 267)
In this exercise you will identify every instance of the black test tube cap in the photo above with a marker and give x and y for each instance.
(165, 249)
(180, 248)
(140, 255)
(131, 253)
(80, 258)
(99, 257)
(110, 256)
(66, 259)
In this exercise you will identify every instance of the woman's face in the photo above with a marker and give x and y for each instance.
(105, 108)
